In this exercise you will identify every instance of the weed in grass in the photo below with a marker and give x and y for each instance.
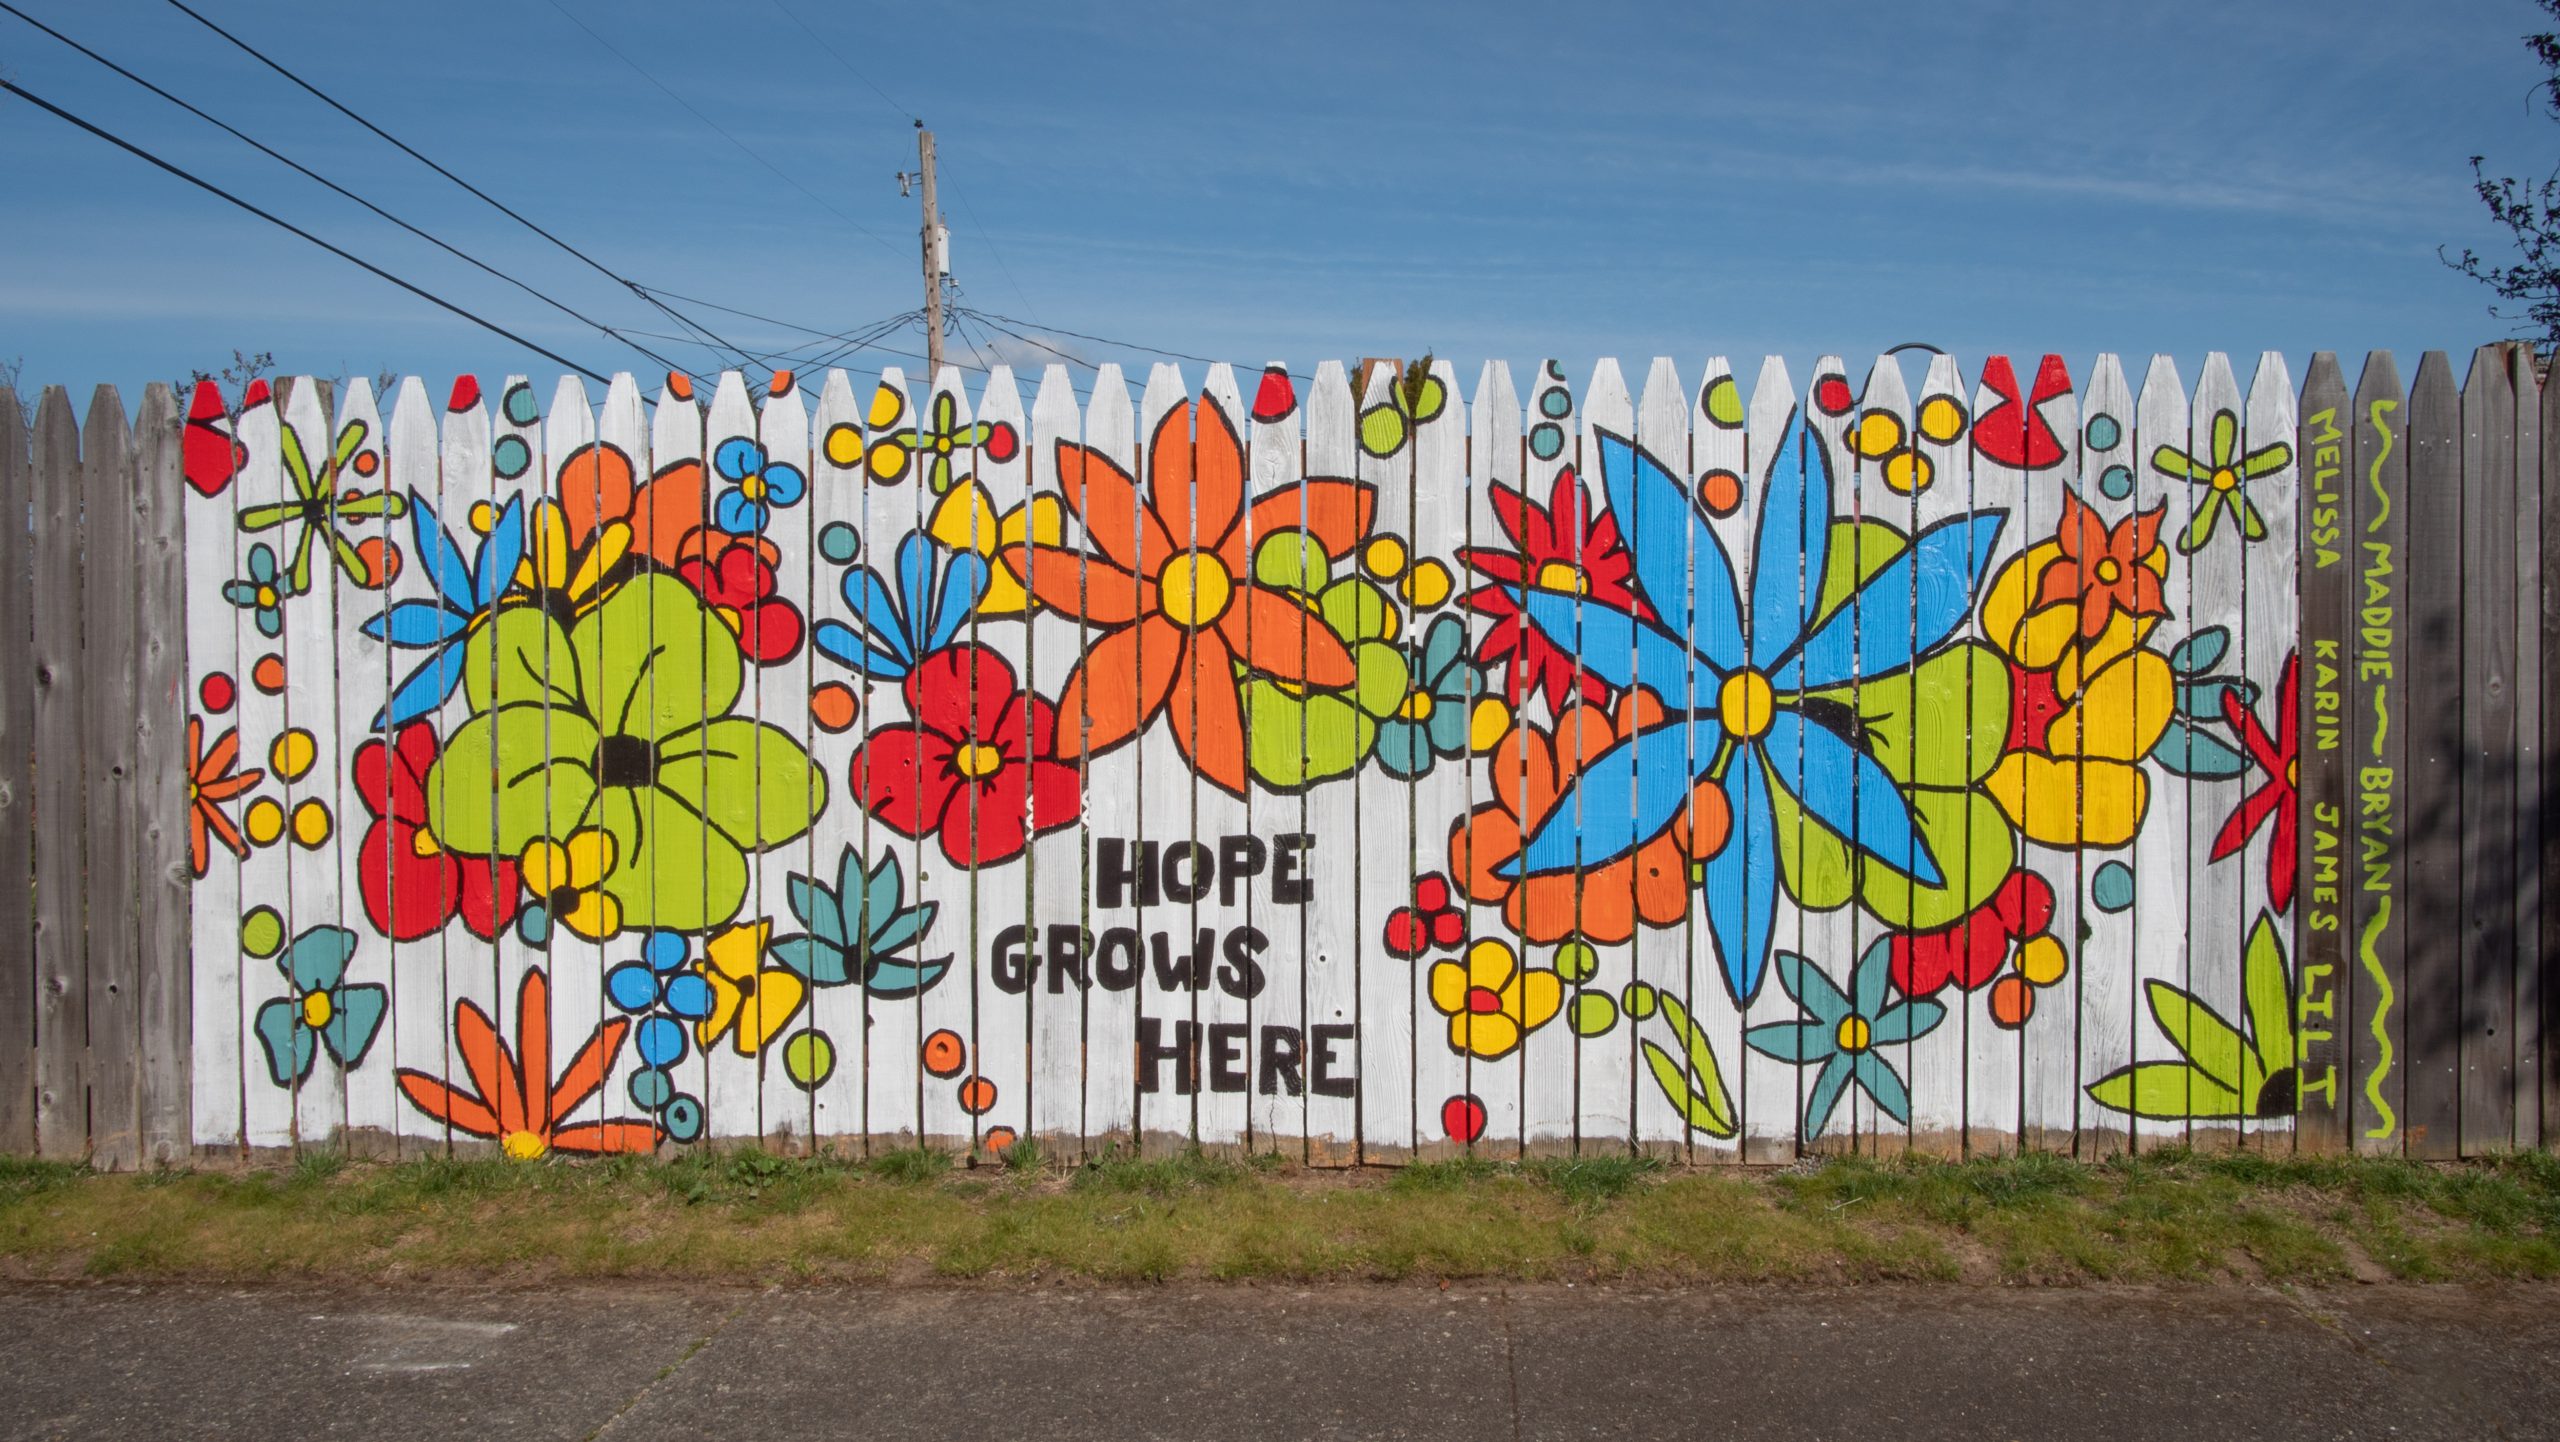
(318, 1165)
(912, 1166)
(1449, 1175)
(1587, 1181)
(1194, 1170)
(1024, 1158)
(24, 1177)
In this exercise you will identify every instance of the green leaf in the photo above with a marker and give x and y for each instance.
(2268, 986)
(2164, 1091)
(1858, 550)
(651, 661)
(2205, 1039)
(1941, 723)
(1698, 1088)
(1813, 861)
(1971, 838)
(749, 779)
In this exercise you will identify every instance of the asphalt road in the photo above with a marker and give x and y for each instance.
(1059, 1363)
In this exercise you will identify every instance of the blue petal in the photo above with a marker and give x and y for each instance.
(416, 624)
(886, 888)
(1742, 881)
(1826, 1094)
(1680, 563)
(1404, 749)
(1845, 789)
(445, 567)
(271, 621)
(878, 611)
(817, 910)
(1812, 988)
(1794, 1041)
(354, 1021)
(736, 514)
(836, 641)
(853, 890)
(262, 564)
(318, 958)
(963, 582)
(893, 979)
(1867, 980)
(1908, 1021)
(1617, 647)
(903, 928)
(915, 586)
(737, 458)
(1885, 1085)
(425, 689)
(1794, 543)
(689, 996)
(499, 555)
(1594, 823)
(1885, 625)
(289, 1044)
(784, 485)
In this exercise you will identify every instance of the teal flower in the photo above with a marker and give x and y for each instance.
(860, 928)
(1431, 721)
(1844, 1033)
(323, 1010)
(260, 595)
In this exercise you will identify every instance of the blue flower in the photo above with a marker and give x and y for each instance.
(323, 1011)
(465, 591)
(1749, 731)
(1845, 1032)
(260, 594)
(757, 487)
(898, 630)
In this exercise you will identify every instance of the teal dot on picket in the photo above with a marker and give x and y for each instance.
(1555, 404)
(2112, 887)
(533, 926)
(652, 1089)
(2115, 483)
(1577, 962)
(839, 543)
(2104, 433)
(1639, 1000)
(1546, 440)
(682, 1119)
(511, 456)
(519, 405)
(1593, 1013)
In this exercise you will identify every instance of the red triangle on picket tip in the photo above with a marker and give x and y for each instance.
(207, 454)
(466, 393)
(2015, 432)
(1275, 398)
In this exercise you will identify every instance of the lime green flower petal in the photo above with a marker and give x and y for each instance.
(676, 871)
(521, 657)
(1975, 847)
(1942, 723)
(652, 661)
(748, 779)
(510, 776)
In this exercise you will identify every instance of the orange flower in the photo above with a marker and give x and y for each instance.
(514, 1101)
(1531, 768)
(1171, 583)
(668, 514)
(210, 782)
(2103, 569)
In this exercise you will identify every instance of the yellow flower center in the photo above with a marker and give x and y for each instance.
(423, 842)
(2293, 773)
(1416, 707)
(752, 488)
(523, 1146)
(942, 444)
(2225, 478)
(267, 596)
(316, 1010)
(1557, 576)
(1747, 703)
(2108, 572)
(976, 760)
(1854, 1034)
(1194, 589)
(194, 791)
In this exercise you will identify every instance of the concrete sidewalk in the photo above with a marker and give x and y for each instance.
(651, 1361)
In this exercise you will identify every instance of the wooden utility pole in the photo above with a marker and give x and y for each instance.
(937, 261)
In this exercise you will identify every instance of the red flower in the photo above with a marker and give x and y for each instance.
(920, 777)
(738, 587)
(412, 886)
(2280, 796)
(1969, 950)
(1560, 546)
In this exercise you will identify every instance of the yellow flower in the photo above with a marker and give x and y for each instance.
(569, 878)
(2087, 709)
(1490, 1002)
(966, 520)
(551, 564)
(758, 1001)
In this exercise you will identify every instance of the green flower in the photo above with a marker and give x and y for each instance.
(2225, 479)
(621, 722)
(2224, 1073)
(318, 505)
(1339, 729)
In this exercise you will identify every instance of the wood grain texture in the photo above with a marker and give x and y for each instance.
(2325, 617)
(160, 861)
(2486, 1015)
(17, 787)
(2431, 834)
(62, 996)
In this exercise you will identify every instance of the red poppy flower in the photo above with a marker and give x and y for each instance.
(738, 587)
(1969, 950)
(1560, 546)
(412, 886)
(2280, 796)
(1003, 751)
(513, 1099)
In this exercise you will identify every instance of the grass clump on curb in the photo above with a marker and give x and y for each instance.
(752, 1215)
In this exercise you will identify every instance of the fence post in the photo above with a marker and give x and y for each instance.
(2431, 787)
(106, 714)
(17, 789)
(62, 998)
(161, 870)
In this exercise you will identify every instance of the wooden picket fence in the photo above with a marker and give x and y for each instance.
(2005, 763)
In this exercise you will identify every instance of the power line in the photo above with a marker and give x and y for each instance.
(270, 152)
(998, 320)
(847, 64)
(502, 207)
(787, 177)
(132, 149)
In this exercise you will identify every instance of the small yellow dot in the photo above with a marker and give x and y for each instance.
(1488, 724)
(2042, 961)
(310, 824)
(264, 821)
(1941, 419)
(292, 754)
(1426, 585)
(484, 517)
(844, 445)
(1384, 558)
(1878, 433)
(1908, 472)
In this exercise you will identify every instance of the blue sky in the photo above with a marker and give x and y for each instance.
(1300, 181)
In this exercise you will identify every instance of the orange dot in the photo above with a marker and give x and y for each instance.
(381, 562)
(268, 674)
(833, 706)
(680, 385)
(999, 1138)
(1720, 492)
(367, 462)
(977, 1096)
(2012, 1001)
(780, 385)
(945, 1053)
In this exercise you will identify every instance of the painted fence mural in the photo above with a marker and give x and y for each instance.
(1725, 765)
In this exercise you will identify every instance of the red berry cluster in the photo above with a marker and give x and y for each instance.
(1431, 921)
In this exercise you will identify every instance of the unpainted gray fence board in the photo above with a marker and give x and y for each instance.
(2325, 607)
(106, 711)
(2488, 897)
(2431, 834)
(160, 795)
(17, 782)
(62, 999)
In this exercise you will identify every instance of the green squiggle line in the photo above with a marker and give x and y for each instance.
(2381, 718)
(2382, 1008)
(2373, 475)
